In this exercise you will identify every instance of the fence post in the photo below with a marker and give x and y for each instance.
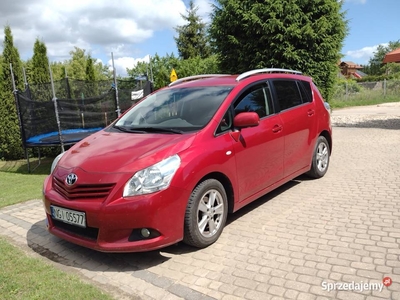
(56, 111)
(384, 87)
(21, 128)
(118, 110)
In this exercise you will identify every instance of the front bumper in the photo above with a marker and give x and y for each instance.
(113, 225)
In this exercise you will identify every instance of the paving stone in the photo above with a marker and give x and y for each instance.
(343, 227)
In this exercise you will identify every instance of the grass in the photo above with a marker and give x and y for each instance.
(24, 277)
(362, 100)
(17, 185)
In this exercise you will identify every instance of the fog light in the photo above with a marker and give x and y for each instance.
(145, 232)
(140, 234)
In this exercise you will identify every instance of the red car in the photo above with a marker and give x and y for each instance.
(175, 164)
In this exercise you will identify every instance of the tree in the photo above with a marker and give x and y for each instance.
(161, 68)
(302, 35)
(10, 136)
(192, 37)
(90, 75)
(58, 69)
(76, 67)
(91, 88)
(39, 66)
(197, 65)
(375, 65)
(102, 72)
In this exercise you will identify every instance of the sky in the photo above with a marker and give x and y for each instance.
(133, 30)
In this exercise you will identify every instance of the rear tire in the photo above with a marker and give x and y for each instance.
(206, 214)
(320, 160)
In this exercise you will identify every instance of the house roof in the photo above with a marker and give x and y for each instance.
(350, 64)
(393, 56)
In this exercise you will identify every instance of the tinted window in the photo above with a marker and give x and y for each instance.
(287, 93)
(255, 99)
(305, 89)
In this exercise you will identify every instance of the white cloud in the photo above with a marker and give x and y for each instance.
(204, 9)
(122, 63)
(357, 1)
(363, 55)
(88, 24)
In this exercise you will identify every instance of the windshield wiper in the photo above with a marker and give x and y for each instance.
(128, 129)
(159, 129)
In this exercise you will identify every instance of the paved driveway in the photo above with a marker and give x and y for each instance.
(339, 233)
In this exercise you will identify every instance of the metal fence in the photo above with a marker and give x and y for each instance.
(352, 90)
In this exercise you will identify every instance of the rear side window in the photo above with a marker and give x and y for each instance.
(305, 90)
(287, 93)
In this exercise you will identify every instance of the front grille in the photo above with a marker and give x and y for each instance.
(88, 232)
(82, 191)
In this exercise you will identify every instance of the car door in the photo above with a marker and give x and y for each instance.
(259, 152)
(297, 113)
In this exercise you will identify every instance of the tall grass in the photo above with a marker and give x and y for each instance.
(362, 100)
(350, 93)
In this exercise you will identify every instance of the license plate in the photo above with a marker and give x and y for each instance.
(68, 216)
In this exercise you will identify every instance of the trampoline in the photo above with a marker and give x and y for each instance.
(69, 136)
(61, 122)
(85, 108)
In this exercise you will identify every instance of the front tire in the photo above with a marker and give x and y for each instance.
(320, 160)
(206, 214)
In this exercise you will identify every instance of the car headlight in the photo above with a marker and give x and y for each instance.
(154, 178)
(55, 161)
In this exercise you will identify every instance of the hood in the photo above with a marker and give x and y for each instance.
(123, 152)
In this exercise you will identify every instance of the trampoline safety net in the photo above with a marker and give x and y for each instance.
(80, 109)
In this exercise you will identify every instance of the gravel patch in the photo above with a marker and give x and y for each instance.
(367, 121)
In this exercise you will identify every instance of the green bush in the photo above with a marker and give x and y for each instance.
(346, 86)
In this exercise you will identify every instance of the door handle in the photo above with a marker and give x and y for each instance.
(310, 112)
(277, 128)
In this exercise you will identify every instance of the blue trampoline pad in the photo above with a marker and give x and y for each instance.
(69, 136)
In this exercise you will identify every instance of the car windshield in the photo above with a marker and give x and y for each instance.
(174, 110)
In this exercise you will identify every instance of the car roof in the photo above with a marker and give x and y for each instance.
(233, 80)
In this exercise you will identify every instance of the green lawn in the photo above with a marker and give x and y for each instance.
(17, 185)
(22, 276)
(25, 277)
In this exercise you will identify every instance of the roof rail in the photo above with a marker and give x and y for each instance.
(195, 77)
(268, 70)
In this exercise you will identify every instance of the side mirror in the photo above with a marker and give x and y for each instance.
(246, 119)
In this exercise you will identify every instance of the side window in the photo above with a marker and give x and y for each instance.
(305, 90)
(287, 93)
(255, 99)
(226, 122)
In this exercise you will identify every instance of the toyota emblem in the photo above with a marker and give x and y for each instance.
(71, 179)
